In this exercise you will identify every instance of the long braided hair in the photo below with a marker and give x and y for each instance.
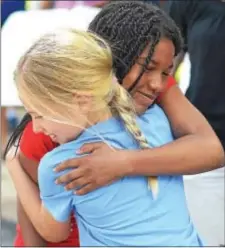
(129, 26)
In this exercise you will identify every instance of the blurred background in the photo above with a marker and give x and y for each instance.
(24, 21)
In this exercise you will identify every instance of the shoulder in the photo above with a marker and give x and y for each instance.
(65, 151)
(155, 113)
(156, 127)
(35, 146)
(155, 117)
(111, 132)
(46, 173)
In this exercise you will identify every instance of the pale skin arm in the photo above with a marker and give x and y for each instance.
(30, 236)
(196, 150)
(28, 194)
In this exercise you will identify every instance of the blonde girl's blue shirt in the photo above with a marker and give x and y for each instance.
(123, 213)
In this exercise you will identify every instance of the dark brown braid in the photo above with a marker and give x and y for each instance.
(128, 26)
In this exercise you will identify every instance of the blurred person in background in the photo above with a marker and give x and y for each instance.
(203, 27)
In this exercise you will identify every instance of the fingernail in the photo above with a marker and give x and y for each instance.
(56, 182)
(75, 192)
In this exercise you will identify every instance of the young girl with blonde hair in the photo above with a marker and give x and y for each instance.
(67, 84)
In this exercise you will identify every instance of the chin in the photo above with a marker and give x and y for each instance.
(140, 109)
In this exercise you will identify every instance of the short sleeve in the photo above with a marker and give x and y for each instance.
(35, 145)
(170, 82)
(55, 198)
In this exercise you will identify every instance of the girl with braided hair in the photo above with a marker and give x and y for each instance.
(66, 83)
(137, 33)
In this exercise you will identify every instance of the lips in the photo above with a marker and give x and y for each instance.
(150, 97)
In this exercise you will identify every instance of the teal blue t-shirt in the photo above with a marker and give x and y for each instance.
(123, 213)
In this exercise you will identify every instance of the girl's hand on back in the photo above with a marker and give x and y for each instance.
(101, 167)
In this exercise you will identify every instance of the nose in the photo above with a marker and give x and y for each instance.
(157, 84)
(36, 126)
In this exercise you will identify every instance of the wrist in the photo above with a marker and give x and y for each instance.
(127, 163)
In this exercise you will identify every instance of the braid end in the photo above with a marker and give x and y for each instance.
(153, 185)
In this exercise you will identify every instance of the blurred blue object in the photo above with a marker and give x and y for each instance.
(8, 7)
(12, 119)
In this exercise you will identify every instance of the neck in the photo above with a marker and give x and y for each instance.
(99, 116)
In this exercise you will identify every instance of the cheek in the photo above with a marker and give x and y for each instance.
(52, 127)
(146, 79)
(131, 77)
(128, 81)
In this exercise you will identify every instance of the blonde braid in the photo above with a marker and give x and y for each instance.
(122, 105)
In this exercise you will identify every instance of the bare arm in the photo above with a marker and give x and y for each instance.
(196, 150)
(30, 236)
(28, 194)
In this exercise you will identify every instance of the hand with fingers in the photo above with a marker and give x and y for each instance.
(100, 167)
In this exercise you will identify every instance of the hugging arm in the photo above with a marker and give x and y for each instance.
(196, 150)
(28, 193)
(30, 236)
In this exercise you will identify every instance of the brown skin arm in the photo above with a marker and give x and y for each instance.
(30, 236)
(196, 150)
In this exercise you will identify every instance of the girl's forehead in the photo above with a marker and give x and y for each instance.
(164, 50)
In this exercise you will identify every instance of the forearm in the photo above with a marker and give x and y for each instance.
(197, 148)
(28, 194)
(185, 156)
(31, 237)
